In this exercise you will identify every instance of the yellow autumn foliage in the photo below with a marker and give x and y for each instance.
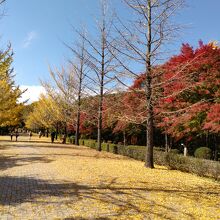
(10, 109)
(45, 114)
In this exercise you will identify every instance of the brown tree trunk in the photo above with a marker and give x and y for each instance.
(99, 138)
(65, 134)
(124, 138)
(77, 127)
(78, 110)
(207, 139)
(57, 130)
(166, 143)
(216, 144)
(149, 162)
(171, 143)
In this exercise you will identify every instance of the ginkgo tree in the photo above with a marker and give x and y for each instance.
(10, 108)
(45, 115)
(62, 90)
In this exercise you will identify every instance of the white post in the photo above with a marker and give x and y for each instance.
(185, 151)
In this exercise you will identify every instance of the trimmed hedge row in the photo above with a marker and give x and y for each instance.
(201, 167)
(174, 161)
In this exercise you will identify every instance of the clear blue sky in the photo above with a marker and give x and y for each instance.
(36, 29)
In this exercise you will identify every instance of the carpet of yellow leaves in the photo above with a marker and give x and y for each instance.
(120, 188)
(100, 185)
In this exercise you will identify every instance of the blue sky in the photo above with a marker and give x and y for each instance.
(36, 29)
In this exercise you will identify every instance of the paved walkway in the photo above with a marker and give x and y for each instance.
(54, 181)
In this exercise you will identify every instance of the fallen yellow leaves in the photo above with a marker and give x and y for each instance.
(80, 183)
(121, 188)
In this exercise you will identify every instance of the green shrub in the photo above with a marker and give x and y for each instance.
(115, 149)
(90, 143)
(105, 146)
(176, 162)
(83, 136)
(108, 147)
(174, 151)
(144, 147)
(133, 152)
(81, 142)
(203, 152)
(160, 158)
(201, 167)
(71, 139)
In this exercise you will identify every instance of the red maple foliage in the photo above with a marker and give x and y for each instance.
(191, 89)
(186, 97)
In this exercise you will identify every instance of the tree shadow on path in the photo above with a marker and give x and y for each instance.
(17, 190)
(7, 162)
(37, 144)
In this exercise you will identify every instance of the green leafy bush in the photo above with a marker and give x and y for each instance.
(93, 144)
(90, 143)
(197, 166)
(203, 152)
(201, 167)
(174, 151)
(132, 151)
(71, 139)
(109, 147)
(160, 158)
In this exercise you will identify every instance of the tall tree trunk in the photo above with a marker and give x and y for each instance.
(78, 110)
(77, 127)
(166, 143)
(99, 139)
(101, 86)
(207, 139)
(149, 162)
(171, 143)
(124, 138)
(65, 134)
(216, 142)
(57, 130)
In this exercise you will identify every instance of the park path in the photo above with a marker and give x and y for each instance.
(54, 181)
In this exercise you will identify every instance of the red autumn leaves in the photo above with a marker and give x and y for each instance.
(186, 96)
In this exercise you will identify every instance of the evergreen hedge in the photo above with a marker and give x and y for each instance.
(203, 152)
(172, 160)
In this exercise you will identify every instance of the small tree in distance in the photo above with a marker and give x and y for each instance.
(80, 67)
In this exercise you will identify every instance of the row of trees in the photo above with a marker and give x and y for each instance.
(175, 97)
(186, 104)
